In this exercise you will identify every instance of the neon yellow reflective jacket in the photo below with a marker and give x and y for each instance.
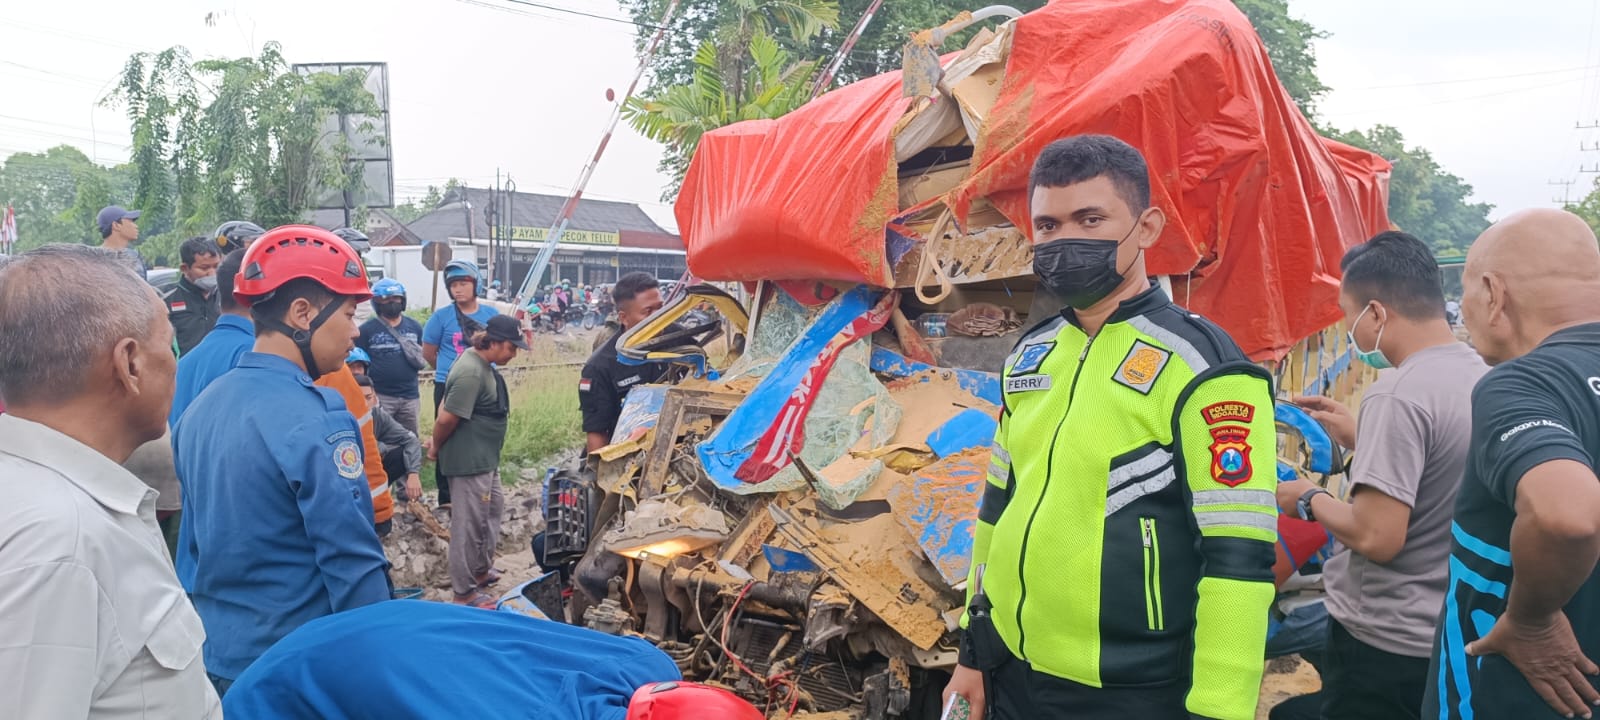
(1129, 522)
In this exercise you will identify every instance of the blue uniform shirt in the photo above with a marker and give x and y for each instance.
(216, 354)
(276, 493)
(418, 659)
(444, 331)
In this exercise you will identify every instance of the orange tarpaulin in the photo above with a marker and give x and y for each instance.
(1260, 208)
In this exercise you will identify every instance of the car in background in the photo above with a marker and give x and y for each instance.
(163, 279)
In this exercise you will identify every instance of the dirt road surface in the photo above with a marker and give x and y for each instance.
(1286, 677)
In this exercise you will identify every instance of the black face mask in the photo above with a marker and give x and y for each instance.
(302, 338)
(389, 310)
(1080, 271)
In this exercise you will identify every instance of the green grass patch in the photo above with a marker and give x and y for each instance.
(544, 406)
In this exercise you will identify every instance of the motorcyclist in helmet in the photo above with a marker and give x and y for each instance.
(358, 361)
(355, 238)
(236, 234)
(394, 342)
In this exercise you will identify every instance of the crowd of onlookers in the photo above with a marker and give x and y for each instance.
(272, 434)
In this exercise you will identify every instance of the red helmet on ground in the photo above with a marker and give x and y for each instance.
(292, 252)
(689, 701)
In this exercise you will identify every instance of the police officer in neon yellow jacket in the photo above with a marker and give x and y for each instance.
(1126, 534)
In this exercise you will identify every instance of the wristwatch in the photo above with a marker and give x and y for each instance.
(1304, 503)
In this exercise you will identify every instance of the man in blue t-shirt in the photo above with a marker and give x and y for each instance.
(394, 344)
(449, 333)
(1520, 625)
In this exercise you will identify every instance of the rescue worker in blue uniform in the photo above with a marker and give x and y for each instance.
(218, 353)
(233, 336)
(272, 465)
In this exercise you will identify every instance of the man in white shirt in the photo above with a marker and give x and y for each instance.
(93, 623)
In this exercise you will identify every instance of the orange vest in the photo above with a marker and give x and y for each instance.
(343, 382)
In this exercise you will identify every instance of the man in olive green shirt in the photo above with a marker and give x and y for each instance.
(467, 438)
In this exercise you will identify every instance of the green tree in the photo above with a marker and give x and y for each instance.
(1589, 207)
(1289, 48)
(57, 193)
(244, 138)
(417, 207)
(730, 24)
(1424, 199)
(771, 84)
(724, 49)
(881, 45)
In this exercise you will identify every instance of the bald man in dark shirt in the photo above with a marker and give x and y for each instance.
(1520, 645)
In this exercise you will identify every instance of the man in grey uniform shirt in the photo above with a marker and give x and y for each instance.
(1385, 587)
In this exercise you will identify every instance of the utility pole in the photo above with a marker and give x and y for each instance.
(509, 233)
(1566, 191)
(344, 134)
(491, 215)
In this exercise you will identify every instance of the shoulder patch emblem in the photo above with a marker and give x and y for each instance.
(1230, 455)
(1228, 411)
(1142, 366)
(179, 306)
(1032, 358)
(347, 458)
(584, 385)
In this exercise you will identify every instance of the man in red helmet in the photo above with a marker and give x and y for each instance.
(272, 464)
(495, 664)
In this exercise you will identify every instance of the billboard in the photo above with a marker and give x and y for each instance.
(367, 137)
(579, 237)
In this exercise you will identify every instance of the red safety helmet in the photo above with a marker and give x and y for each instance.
(689, 701)
(292, 252)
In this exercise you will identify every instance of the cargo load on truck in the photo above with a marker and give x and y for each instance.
(852, 187)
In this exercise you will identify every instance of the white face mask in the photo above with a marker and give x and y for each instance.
(1373, 357)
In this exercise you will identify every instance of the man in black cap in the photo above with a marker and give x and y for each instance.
(467, 438)
(119, 231)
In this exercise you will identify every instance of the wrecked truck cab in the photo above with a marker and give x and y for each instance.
(700, 330)
(796, 575)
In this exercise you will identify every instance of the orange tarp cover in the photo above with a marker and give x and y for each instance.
(1260, 208)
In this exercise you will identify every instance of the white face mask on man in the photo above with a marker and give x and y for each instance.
(1373, 357)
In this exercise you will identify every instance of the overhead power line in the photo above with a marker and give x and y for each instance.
(624, 21)
(1484, 78)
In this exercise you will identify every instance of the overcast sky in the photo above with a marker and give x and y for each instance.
(1494, 89)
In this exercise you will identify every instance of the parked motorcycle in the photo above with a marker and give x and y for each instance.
(546, 318)
(586, 316)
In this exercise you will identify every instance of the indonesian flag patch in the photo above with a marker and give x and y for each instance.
(583, 385)
(178, 307)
